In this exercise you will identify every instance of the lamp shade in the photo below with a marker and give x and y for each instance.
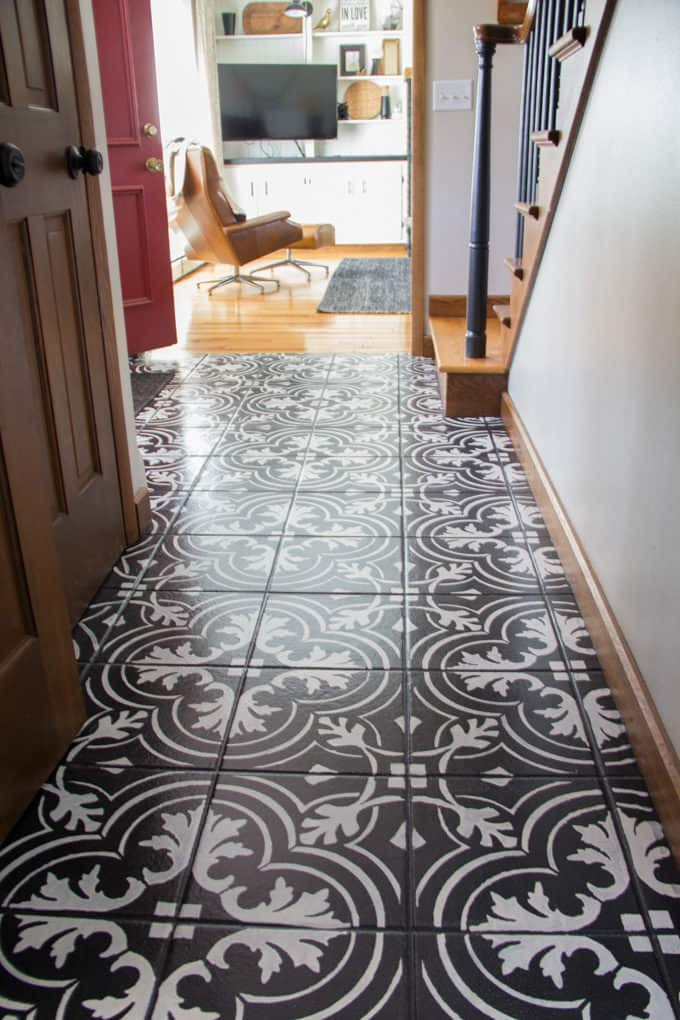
(299, 9)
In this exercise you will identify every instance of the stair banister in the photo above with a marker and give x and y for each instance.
(487, 37)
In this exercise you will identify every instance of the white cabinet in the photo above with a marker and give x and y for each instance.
(365, 201)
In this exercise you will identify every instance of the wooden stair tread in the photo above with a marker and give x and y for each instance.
(448, 337)
(527, 209)
(503, 314)
(516, 267)
(567, 45)
(551, 138)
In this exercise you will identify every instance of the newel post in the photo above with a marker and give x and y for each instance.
(478, 278)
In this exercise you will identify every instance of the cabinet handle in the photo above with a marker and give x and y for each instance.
(350, 188)
(266, 188)
(252, 190)
(364, 188)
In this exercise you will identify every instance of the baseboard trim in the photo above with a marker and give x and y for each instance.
(428, 346)
(655, 753)
(143, 511)
(454, 306)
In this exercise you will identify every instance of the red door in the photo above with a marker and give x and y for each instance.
(128, 73)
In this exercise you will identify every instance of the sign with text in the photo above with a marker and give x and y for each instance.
(354, 15)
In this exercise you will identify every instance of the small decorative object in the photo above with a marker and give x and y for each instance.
(325, 21)
(343, 111)
(352, 60)
(385, 105)
(376, 66)
(395, 19)
(299, 9)
(391, 57)
(511, 12)
(229, 22)
(363, 100)
(354, 15)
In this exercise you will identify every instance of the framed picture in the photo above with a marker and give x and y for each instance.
(352, 60)
(355, 15)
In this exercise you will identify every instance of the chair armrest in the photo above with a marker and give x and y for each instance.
(257, 221)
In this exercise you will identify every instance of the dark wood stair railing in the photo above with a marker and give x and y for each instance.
(555, 92)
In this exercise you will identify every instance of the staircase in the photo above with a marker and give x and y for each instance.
(563, 40)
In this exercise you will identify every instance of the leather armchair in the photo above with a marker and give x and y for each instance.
(213, 232)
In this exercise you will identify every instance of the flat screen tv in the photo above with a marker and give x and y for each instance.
(278, 101)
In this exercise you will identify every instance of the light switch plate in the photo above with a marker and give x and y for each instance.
(452, 95)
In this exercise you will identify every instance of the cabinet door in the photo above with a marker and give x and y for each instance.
(377, 203)
(244, 186)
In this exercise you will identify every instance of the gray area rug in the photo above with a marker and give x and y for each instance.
(147, 385)
(369, 286)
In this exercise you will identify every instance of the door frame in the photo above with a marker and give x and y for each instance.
(135, 508)
(418, 179)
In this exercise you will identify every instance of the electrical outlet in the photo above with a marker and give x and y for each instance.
(452, 95)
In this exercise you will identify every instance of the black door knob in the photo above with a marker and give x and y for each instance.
(12, 166)
(83, 161)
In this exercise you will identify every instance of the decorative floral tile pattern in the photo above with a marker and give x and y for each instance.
(481, 632)
(348, 753)
(156, 716)
(539, 976)
(331, 631)
(306, 720)
(442, 564)
(506, 853)
(474, 723)
(344, 563)
(313, 851)
(284, 974)
(368, 514)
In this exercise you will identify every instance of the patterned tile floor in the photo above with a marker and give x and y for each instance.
(349, 752)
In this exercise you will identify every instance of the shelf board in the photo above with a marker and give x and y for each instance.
(275, 35)
(370, 77)
(374, 120)
(359, 35)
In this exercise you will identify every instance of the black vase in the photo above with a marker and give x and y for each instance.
(385, 108)
(229, 23)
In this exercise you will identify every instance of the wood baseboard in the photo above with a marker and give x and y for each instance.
(655, 753)
(455, 305)
(143, 511)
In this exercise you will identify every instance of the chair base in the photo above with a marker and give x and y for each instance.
(296, 263)
(237, 277)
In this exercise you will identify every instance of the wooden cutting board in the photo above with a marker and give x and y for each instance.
(363, 100)
(268, 18)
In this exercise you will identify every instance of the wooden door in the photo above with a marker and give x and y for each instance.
(127, 66)
(49, 446)
(52, 304)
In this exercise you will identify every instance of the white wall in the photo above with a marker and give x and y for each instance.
(450, 138)
(597, 374)
(136, 465)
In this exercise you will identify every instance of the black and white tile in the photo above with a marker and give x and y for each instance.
(349, 752)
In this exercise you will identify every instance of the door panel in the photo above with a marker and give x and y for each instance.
(126, 57)
(47, 224)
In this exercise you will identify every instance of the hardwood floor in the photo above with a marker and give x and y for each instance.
(238, 318)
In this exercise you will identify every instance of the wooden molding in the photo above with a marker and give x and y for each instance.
(418, 179)
(656, 756)
(428, 346)
(143, 511)
(454, 306)
(569, 44)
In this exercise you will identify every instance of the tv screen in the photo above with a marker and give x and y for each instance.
(278, 101)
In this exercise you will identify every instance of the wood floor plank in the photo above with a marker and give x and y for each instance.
(238, 318)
